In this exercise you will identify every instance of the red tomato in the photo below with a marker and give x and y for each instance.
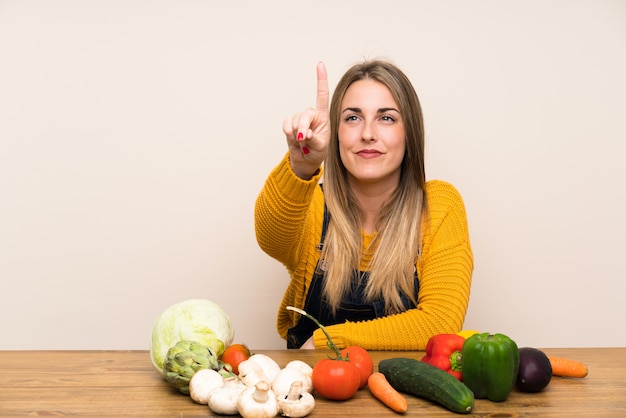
(235, 354)
(336, 379)
(362, 360)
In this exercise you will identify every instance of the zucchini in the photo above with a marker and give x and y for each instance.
(426, 381)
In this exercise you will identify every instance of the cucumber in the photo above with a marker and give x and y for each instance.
(426, 381)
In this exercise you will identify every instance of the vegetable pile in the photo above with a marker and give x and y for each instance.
(261, 389)
(459, 368)
(191, 346)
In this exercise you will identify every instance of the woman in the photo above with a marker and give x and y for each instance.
(378, 254)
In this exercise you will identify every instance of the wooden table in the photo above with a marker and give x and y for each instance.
(124, 383)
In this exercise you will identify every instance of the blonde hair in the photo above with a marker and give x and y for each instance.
(398, 238)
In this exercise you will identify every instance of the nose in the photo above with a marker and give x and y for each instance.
(369, 132)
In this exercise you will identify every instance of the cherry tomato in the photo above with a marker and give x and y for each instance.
(235, 354)
(336, 379)
(362, 360)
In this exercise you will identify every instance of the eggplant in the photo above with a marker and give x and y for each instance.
(535, 370)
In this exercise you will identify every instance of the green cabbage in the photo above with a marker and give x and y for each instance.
(198, 320)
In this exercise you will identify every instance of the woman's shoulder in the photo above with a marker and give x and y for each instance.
(440, 189)
(442, 196)
(446, 211)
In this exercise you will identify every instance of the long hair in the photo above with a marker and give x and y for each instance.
(398, 238)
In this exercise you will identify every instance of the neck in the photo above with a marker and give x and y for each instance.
(370, 197)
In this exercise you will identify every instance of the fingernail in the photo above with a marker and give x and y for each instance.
(305, 149)
(300, 136)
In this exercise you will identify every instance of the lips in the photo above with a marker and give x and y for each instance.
(369, 153)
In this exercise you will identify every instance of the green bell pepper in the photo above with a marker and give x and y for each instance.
(490, 365)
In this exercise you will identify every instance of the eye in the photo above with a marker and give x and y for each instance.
(351, 118)
(387, 118)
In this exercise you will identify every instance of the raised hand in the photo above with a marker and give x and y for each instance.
(308, 132)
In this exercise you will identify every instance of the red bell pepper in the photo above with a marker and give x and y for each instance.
(444, 351)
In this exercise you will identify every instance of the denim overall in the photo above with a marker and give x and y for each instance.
(353, 308)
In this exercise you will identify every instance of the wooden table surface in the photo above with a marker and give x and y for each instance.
(124, 383)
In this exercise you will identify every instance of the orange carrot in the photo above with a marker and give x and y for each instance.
(567, 367)
(382, 390)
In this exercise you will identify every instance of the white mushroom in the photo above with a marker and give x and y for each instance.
(223, 400)
(306, 370)
(251, 372)
(269, 366)
(282, 384)
(258, 401)
(297, 403)
(202, 383)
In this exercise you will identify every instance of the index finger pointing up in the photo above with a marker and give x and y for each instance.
(322, 87)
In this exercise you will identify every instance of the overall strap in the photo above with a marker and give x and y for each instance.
(325, 223)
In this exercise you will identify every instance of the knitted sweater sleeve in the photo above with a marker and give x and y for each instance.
(281, 214)
(288, 217)
(444, 271)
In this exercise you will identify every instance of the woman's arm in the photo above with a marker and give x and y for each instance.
(444, 296)
(281, 211)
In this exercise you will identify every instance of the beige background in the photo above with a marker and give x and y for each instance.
(135, 136)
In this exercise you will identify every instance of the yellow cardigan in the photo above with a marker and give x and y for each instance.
(288, 222)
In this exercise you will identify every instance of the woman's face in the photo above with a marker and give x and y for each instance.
(371, 133)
